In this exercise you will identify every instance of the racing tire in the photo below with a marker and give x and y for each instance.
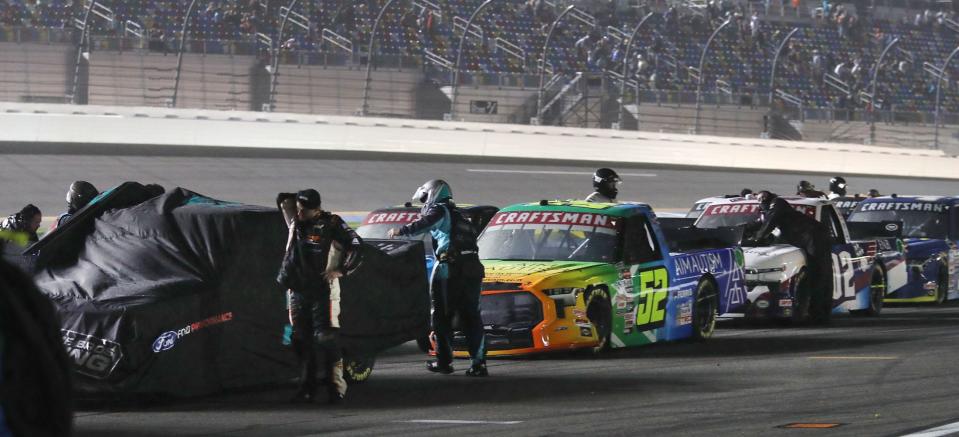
(942, 286)
(599, 311)
(705, 311)
(358, 369)
(877, 291)
(800, 297)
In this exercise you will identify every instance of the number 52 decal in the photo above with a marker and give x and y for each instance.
(653, 288)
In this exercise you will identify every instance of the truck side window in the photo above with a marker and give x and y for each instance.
(831, 220)
(954, 211)
(640, 244)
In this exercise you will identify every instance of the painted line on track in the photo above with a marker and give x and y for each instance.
(554, 172)
(854, 358)
(462, 422)
(952, 428)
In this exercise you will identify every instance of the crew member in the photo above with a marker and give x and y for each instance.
(26, 221)
(807, 189)
(873, 193)
(837, 187)
(321, 248)
(747, 193)
(456, 277)
(810, 236)
(79, 195)
(605, 186)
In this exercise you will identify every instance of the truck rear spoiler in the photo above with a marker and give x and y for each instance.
(866, 230)
(682, 236)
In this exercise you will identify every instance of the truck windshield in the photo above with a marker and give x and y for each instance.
(550, 236)
(915, 224)
(378, 231)
(737, 214)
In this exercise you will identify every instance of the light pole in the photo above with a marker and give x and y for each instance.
(942, 73)
(772, 74)
(875, 78)
(179, 53)
(702, 63)
(542, 62)
(276, 53)
(81, 45)
(459, 55)
(364, 110)
(622, 88)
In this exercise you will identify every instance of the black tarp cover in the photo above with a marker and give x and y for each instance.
(177, 294)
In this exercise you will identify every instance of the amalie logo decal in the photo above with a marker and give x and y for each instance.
(168, 339)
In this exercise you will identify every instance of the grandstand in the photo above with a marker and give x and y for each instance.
(824, 73)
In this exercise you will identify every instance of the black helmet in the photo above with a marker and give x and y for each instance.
(874, 192)
(746, 192)
(309, 198)
(79, 195)
(838, 185)
(804, 186)
(433, 191)
(605, 181)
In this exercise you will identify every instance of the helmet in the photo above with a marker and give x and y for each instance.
(605, 181)
(79, 195)
(838, 185)
(873, 192)
(804, 186)
(436, 190)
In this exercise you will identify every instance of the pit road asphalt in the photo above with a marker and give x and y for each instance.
(886, 376)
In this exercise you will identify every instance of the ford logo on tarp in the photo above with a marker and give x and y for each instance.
(164, 342)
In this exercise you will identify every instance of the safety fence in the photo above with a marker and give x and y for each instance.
(37, 65)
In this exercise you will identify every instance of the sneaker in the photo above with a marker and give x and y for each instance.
(478, 370)
(304, 396)
(335, 397)
(434, 366)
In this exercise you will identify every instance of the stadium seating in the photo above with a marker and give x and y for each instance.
(509, 38)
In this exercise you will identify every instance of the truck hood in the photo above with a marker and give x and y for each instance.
(533, 272)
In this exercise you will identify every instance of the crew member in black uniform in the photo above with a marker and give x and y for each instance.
(308, 270)
(605, 185)
(807, 189)
(810, 236)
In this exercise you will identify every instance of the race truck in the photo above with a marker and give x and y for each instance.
(378, 222)
(930, 231)
(563, 275)
(863, 270)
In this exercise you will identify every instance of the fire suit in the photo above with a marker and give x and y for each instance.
(456, 279)
(312, 252)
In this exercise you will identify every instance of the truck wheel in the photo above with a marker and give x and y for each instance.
(705, 310)
(800, 297)
(358, 369)
(599, 311)
(942, 289)
(877, 291)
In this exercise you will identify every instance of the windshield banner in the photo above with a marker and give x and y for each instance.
(554, 218)
(392, 218)
(903, 206)
(752, 208)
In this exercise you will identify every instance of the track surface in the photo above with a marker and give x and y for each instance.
(885, 376)
(362, 185)
(881, 376)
